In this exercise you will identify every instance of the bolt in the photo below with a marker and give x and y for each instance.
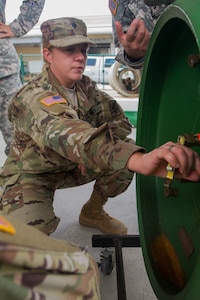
(170, 192)
(193, 60)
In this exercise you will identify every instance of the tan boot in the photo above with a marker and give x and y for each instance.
(93, 215)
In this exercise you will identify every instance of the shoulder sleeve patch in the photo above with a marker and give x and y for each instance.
(113, 5)
(6, 226)
(114, 109)
(51, 100)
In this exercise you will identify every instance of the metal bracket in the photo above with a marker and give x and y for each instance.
(117, 242)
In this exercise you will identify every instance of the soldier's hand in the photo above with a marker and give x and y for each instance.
(135, 41)
(185, 161)
(5, 31)
(83, 169)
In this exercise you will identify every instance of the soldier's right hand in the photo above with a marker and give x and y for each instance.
(5, 31)
(135, 40)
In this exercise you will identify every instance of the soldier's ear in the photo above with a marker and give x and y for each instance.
(47, 55)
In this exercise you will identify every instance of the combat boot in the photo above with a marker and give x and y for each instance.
(93, 215)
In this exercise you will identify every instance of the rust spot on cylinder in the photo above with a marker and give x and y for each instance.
(186, 242)
(167, 261)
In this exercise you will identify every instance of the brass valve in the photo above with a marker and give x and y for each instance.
(189, 140)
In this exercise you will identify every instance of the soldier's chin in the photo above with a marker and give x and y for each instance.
(78, 77)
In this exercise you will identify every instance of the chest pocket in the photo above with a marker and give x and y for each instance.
(93, 115)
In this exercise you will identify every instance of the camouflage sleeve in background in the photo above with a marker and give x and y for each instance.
(122, 58)
(35, 266)
(30, 12)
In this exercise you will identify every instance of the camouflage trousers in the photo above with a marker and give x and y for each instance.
(9, 85)
(34, 266)
(29, 197)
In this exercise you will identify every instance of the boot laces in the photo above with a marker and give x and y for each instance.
(106, 215)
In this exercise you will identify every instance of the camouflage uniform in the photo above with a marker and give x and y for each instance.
(125, 11)
(9, 62)
(50, 141)
(35, 266)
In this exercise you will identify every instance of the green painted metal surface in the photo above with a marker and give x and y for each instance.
(132, 116)
(169, 106)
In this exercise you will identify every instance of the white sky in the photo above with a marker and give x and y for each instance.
(62, 8)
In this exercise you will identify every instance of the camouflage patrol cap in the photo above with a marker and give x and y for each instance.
(64, 32)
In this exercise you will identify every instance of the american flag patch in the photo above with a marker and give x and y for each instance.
(51, 100)
(113, 4)
(6, 226)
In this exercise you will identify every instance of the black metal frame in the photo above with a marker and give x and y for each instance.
(118, 242)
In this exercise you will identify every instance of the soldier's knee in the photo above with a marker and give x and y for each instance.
(46, 227)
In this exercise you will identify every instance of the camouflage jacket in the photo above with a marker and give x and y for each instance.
(125, 11)
(30, 12)
(51, 136)
(35, 266)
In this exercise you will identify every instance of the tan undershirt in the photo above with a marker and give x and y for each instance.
(71, 93)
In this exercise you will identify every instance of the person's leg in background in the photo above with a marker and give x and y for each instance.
(9, 85)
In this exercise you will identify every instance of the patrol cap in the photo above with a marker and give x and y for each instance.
(64, 32)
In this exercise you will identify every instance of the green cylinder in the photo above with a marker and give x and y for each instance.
(169, 106)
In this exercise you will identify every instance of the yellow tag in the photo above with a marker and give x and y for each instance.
(170, 175)
(51, 100)
(6, 226)
(170, 172)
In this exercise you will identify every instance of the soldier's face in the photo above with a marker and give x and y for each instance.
(67, 64)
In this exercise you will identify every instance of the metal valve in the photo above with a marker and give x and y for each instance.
(189, 140)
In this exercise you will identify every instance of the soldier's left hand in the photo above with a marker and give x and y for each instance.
(5, 31)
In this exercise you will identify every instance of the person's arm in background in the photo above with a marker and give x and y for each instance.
(134, 43)
(133, 22)
(30, 12)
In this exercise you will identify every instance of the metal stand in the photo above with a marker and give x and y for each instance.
(118, 242)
